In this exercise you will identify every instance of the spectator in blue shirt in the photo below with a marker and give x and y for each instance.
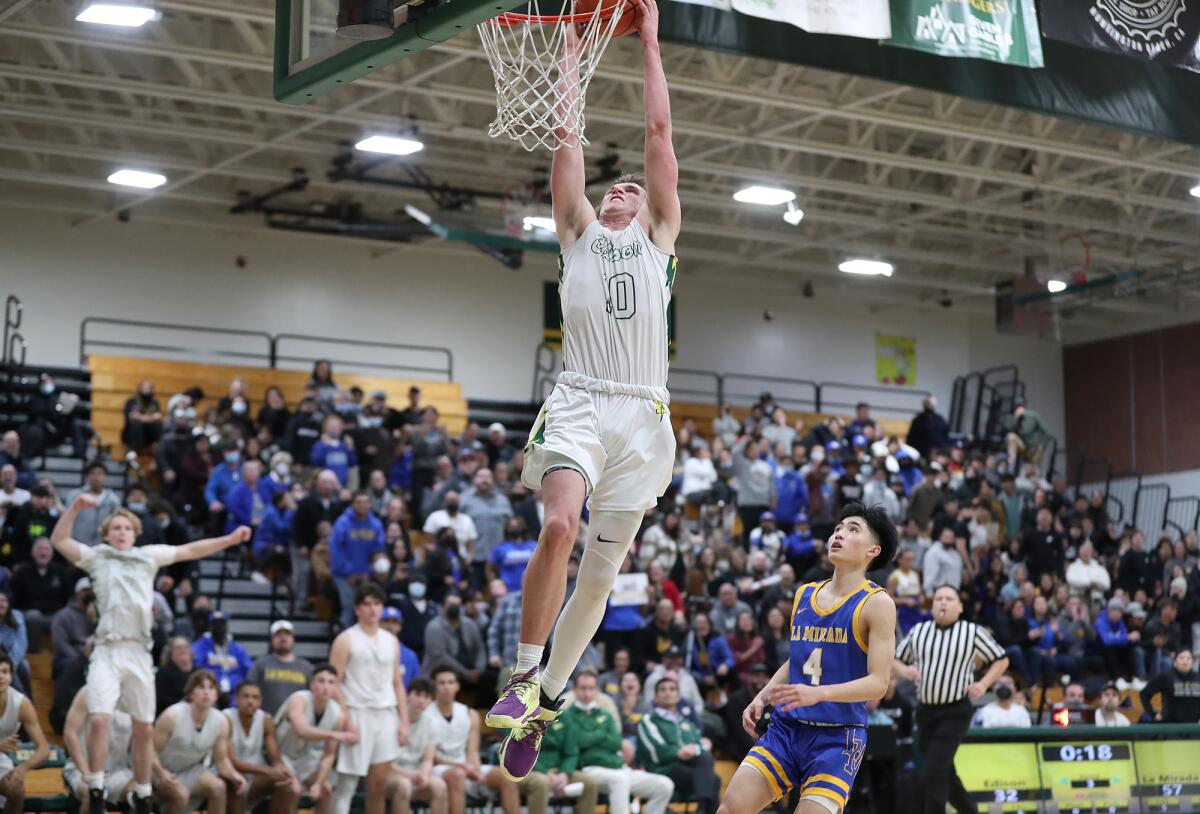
(217, 651)
(410, 665)
(273, 539)
(222, 480)
(791, 494)
(245, 502)
(707, 655)
(511, 557)
(800, 547)
(334, 451)
(1116, 642)
(278, 478)
(358, 539)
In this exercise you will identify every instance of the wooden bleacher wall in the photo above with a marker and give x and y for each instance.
(115, 379)
(703, 414)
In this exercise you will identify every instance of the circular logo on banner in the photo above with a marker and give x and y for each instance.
(1156, 22)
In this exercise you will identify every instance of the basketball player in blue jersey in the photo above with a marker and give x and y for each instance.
(842, 644)
(605, 432)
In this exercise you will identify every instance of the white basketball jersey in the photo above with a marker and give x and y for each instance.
(10, 721)
(450, 736)
(247, 746)
(370, 669)
(120, 732)
(291, 745)
(123, 582)
(190, 745)
(614, 288)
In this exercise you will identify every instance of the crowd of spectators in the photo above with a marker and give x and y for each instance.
(343, 488)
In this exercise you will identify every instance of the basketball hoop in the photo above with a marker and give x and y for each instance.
(542, 71)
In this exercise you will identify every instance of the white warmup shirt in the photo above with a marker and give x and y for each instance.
(123, 582)
(247, 746)
(188, 746)
(291, 745)
(370, 669)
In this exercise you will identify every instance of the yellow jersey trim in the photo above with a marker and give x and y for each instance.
(812, 600)
(856, 623)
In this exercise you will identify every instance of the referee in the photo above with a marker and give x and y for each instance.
(940, 657)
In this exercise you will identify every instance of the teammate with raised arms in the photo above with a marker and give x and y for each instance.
(605, 432)
(120, 670)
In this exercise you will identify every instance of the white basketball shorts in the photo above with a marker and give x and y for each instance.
(378, 741)
(121, 673)
(618, 436)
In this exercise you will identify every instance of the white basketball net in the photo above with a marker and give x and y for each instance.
(540, 84)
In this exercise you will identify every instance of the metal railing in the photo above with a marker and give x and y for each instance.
(1183, 515)
(825, 402)
(263, 348)
(795, 394)
(979, 400)
(1150, 508)
(13, 340)
(446, 369)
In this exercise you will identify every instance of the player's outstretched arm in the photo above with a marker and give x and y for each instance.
(206, 548)
(662, 168)
(568, 195)
(879, 619)
(61, 538)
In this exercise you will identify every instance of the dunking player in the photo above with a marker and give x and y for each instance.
(119, 670)
(605, 431)
(842, 643)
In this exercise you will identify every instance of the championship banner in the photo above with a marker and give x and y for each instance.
(1160, 30)
(850, 18)
(896, 360)
(1003, 31)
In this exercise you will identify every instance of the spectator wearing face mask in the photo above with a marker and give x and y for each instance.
(234, 410)
(217, 651)
(449, 516)
(303, 431)
(372, 439)
(245, 501)
(143, 418)
(1004, 712)
(137, 500)
(511, 557)
(224, 477)
(53, 420)
(335, 451)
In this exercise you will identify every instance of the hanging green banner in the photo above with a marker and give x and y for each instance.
(1003, 31)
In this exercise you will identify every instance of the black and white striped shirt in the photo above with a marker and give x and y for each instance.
(945, 657)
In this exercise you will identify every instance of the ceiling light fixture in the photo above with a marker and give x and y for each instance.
(764, 196)
(532, 222)
(137, 178)
(1055, 286)
(392, 145)
(1196, 191)
(122, 14)
(794, 214)
(859, 265)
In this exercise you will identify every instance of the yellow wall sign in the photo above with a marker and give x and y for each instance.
(896, 360)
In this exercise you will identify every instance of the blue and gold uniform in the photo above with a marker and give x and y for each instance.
(819, 748)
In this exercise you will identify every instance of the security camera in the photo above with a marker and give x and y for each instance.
(768, 315)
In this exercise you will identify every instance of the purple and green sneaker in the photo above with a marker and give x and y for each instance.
(518, 703)
(519, 752)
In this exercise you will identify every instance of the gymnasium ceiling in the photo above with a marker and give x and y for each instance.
(957, 194)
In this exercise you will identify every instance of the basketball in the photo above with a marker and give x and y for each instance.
(625, 26)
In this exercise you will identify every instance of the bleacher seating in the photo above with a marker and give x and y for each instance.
(115, 379)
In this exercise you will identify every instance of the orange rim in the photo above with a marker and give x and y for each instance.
(511, 18)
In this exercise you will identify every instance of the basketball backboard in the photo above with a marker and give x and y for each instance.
(311, 60)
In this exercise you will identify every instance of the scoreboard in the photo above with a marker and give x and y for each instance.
(1085, 770)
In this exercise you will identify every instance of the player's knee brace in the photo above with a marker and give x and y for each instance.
(610, 535)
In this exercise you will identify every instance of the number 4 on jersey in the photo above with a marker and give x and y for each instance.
(812, 667)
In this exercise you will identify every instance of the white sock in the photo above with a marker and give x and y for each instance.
(343, 792)
(142, 790)
(95, 780)
(581, 617)
(529, 656)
